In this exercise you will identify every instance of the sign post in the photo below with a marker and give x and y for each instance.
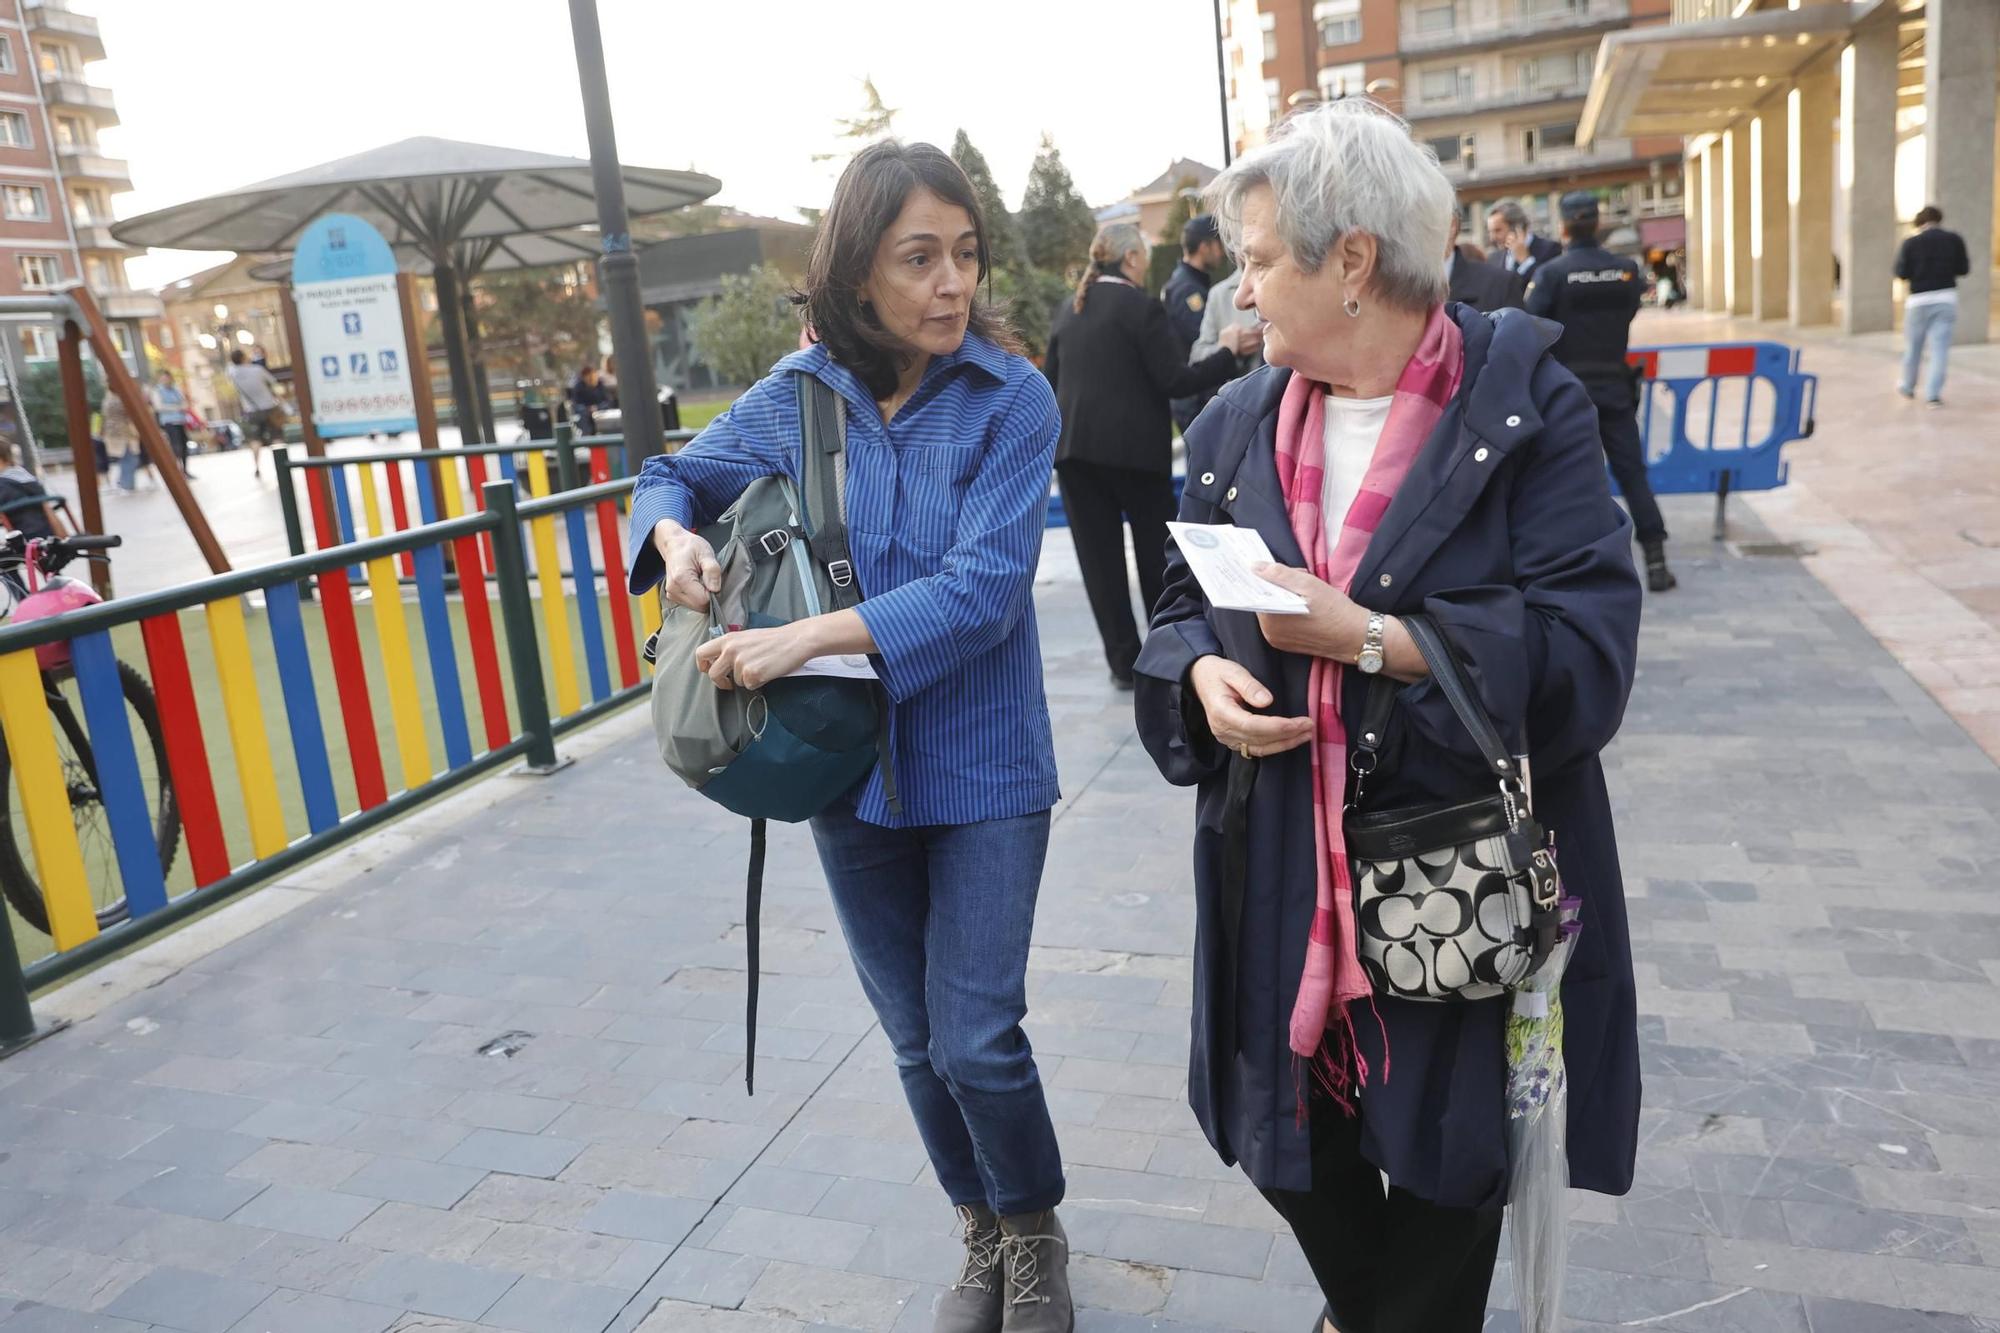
(352, 349)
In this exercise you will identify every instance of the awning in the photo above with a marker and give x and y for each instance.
(1697, 78)
(1663, 233)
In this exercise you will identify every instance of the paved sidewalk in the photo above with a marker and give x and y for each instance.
(300, 1132)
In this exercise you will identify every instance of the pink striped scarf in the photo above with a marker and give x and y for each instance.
(1322, 1032)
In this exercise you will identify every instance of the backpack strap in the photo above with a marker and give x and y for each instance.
(753, 901)
(823, 492)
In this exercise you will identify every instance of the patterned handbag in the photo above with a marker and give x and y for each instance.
(1457, 900)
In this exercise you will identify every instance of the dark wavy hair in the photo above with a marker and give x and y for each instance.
(866, 202)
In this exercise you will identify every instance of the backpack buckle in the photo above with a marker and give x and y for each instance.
(841, 572)
(775, 541)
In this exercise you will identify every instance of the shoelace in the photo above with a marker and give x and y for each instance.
(982, 1253)
(1024, 1273)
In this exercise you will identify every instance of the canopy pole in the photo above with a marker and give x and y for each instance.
(617, 267)
(451, 326)
(475, 349)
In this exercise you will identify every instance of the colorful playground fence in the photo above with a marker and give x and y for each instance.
(501, 550)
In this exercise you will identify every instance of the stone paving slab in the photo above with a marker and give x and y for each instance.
(297, 1130)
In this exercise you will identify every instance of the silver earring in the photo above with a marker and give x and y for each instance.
(1352, 307)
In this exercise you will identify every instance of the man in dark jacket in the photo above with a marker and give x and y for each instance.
(1516, 247)
(1115, 362)
(1594, 294)
(1186, 298)
(1932, 262)
(1476, 283)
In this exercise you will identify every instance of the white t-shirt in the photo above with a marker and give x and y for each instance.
(1353, 425)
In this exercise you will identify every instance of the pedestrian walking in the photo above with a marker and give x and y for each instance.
(1399, 456)
(259, 404)
(1516, 247)
(1185, 298)
(1931, 262)
(121, 440)
(1594, 294)
(949, 438)
(1115, 364)
(171, 410)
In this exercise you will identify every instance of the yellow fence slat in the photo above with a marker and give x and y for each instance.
(38, 777)
(555, 610)
(371, 504)
(649, 612)
(247, 734)
(399, 671)
(449, 494)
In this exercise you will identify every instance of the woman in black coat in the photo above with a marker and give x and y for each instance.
(1114, 364)
(1502, 530)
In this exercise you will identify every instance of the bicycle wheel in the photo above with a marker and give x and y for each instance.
(93, 824)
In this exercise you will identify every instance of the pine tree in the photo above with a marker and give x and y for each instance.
(876, 122)
(1003, 237)
(1056, 225)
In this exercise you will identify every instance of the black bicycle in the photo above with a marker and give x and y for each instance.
(32, 585)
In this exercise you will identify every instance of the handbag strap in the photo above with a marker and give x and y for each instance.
(1450, 678)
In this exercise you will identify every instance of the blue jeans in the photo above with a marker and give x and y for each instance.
(1927, 327)
(937, 919)
(128, 467)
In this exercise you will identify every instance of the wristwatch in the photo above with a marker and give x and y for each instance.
(1370, 660)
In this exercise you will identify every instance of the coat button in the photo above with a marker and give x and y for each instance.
(1231, 494)
(1387, 580)
(1208, 479)
(1479, 457)
(1513, 421)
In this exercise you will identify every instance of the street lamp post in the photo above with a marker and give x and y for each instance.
(617, 267)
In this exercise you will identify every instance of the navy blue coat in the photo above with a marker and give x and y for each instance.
(1505, 533)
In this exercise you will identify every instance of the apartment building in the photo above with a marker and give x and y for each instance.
(1496, 87)
(56, 182)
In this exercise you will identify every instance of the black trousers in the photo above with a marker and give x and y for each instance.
(1619, 428)
(1099, 501)
(1387, 1261)
(177, 439)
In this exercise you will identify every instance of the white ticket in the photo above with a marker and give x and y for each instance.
(1221, 556)
(847, 666)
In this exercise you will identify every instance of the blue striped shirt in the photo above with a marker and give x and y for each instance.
(945, 509)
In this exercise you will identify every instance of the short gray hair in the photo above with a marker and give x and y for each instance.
(1515, 215)
(1346, 166)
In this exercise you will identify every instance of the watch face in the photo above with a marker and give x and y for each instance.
(1370, 661)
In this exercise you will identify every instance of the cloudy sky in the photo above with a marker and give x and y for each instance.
(216, 96)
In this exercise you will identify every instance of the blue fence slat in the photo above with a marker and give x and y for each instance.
(427, 505)
(119, 783)
(443, 654)
(509, 468)
(343, 511)
(295, 677)
(587, 612)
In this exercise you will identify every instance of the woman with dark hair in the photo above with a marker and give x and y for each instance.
(949, 435)
(1116, 365)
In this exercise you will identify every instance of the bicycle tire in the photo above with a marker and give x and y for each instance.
(18, 884)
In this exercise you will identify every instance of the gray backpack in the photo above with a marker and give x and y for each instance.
(790, 749)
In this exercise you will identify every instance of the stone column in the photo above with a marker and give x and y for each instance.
(1736, 205)
(1961, 81)
(1770, 211)
(1715, 231)
(1868, 166)
(1692, 204)
(1815, 103)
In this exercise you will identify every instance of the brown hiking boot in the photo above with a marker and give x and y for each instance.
(972, 1305)
(1035, 1253)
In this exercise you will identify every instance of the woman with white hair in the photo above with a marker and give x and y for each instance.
(1429, 479)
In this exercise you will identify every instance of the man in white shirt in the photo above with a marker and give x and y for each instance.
(263, 410)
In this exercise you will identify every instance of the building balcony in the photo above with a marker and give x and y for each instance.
(71, 94)
(58, 20)
(83, 162)
(1523, 22)
(1507, 99)
(125, 303)
(1513, 170)
(96, 235)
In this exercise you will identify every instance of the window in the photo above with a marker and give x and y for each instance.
(1557, 70)
(86, 204)
(1543, 139)
(72, 133)
(121, 338)
(1338, 81)
(25, 203)
(38, 342)
(56, 61)
(1269, 22)
(1437, 18)
(14, 130)
(7, 65)
(98, 274)
(1339, 22)
(1271, 96)
(1452, 84)
(1449, 148)
(39, 272)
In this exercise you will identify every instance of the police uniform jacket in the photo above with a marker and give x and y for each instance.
(1593, 294)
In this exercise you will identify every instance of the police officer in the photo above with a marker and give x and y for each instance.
(1186, 297)
(1593, 294)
